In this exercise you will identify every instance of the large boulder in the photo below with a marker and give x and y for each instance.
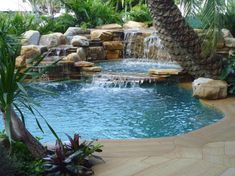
(95, 53)
(207, 88)
(153, 72)
(226, 33)
(52, 40)
(113, 45)
(20, 61)
(134, 25)
(72, 31)
(103, 35)
(73, 57)
(230, 42)
(82, 53)
(31, 38)
(92, 69)
(84, 64)
(113, 54)
(79, 41)
(110, 26)
(30, 51)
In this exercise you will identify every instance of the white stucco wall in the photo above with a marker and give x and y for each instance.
(15, 5)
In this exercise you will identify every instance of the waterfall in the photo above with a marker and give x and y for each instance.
(144, 44)
(143, 51)
(118, 80)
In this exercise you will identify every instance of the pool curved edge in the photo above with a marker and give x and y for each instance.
(206, 151)
(223, 130)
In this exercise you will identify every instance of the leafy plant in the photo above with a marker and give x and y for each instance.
(19, 22)
(13, 90)
(92, 12)
(60, 24)
(139, 13)
(7, 165)
(27, 164)
(228, 73)
(71, 159)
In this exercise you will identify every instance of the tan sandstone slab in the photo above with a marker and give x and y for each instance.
(164, 71)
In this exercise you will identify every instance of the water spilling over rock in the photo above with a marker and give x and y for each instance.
(144, 44)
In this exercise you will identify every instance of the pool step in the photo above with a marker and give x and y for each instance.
(126, 78)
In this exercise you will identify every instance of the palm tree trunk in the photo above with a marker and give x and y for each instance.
(20, 133)
(181, 41)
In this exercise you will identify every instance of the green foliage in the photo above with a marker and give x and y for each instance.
(3, 134)
(60, 24)
(230, 22)
(92, 12)
(194, 22)
(19, 22)
(139, 13)
(8, 166)
(71, 159)
(27, 165)
(228, 73)
(12, 79)
(230, 17)
(19, 161)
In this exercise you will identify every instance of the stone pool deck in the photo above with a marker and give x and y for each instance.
(209, 151)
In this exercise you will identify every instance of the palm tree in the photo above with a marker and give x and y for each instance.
(13, 92)
(181, 40)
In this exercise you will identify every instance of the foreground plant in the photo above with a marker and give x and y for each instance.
(71, 159)
(228, 73)
(12, 87)
(13, 90)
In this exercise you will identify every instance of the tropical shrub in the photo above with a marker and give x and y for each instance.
(19, 22)
(230, 17)
(228, 73)
(230, 22)
(92, 13)
(71, 159)
(139, 13)
(27, 164)
(59, 24)
(7, 165)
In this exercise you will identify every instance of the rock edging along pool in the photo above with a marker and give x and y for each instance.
(111, 112)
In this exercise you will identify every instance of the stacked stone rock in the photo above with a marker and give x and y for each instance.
(227, 45)
(111, 37)
(106, 42)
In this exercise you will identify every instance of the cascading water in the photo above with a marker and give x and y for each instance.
(146, 45)
(143, 51)
(153, 49)
(130, 42)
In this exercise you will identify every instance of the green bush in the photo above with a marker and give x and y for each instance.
(228, 73)
(27, 165)
(60, 24)
(230, 23)
(92, 13)
(139, 13)
(19, 22)
(7, 166)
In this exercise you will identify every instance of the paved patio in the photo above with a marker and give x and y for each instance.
(209, 151)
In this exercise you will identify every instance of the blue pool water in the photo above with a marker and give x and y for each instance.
(134, 65)
(113, 112)
(138, 112)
